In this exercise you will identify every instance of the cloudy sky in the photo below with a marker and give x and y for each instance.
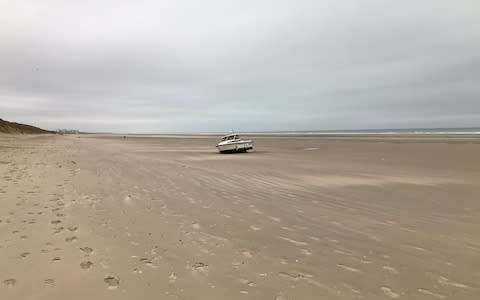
(213, 65)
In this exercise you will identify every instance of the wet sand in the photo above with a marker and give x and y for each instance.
(98, 217)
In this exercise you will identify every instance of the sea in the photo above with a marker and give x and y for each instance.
(409, 131)
(468, 131)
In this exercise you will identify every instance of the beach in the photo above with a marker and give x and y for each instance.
(300, 217)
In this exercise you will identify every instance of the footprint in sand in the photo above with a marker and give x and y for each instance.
(137, 271)
(86, 265)
(112, 282)
(58, 229)
(72, 228)
(147, 262)
(247, 282)
(172, 278)
(55, 222)
(24, 254)
(254, 228)
(10, 282)
(49, 282)
(200, 267)
(86, 250)
(71, 239)
(56, 259)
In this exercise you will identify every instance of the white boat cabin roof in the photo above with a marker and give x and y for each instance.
(232, 136)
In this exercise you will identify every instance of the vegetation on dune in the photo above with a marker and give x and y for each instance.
(12, 127)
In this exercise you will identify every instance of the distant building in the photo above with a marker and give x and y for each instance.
(68, 131)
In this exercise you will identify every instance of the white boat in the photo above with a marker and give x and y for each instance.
(233, 143)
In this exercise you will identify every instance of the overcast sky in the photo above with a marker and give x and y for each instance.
(214, 65)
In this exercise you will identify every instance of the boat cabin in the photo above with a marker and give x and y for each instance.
(230, 137)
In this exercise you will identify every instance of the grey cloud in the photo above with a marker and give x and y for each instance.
(159, 66)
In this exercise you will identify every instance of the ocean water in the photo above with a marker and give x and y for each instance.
(470, 131)
(410, 131)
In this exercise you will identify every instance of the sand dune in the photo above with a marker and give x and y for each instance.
(18, 128)
(94, 217)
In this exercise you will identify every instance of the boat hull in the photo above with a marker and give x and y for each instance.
(235, 147)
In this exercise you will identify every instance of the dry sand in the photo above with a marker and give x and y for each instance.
(97, 217)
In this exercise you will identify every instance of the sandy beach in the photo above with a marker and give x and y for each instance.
(103, 217)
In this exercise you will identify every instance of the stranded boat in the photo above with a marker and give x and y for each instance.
(233, 143)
